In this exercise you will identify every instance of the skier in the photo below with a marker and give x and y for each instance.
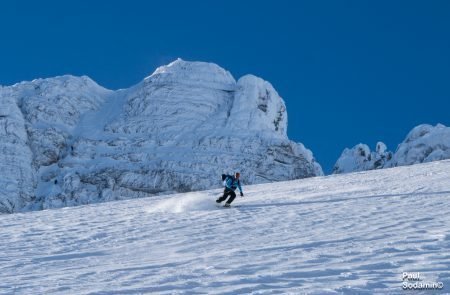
(231, 183)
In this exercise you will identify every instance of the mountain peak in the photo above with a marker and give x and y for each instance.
(193, 72)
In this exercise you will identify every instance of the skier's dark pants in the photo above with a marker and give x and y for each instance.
(227, 192)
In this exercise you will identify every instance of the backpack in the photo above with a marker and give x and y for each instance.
(225, 177)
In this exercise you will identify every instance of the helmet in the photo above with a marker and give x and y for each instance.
(237, 174)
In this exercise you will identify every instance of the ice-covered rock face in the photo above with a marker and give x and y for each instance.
(360, 158)
(176, 131)
(177, 99)
(258, 107)
(425, 143)
(16, 174)
(58, 101)
(52, 109)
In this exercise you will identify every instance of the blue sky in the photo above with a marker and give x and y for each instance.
(349, 71)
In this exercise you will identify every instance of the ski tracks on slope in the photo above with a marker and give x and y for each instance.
(353, 233)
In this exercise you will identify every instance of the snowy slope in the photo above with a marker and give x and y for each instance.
(173, 132)
(351, 233)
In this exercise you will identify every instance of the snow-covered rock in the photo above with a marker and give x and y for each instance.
(175, 131)
(52, 109)
(425, 143)
(16, 174)
(360, 158)
(270, 113)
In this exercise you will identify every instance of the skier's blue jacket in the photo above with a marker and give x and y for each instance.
(232, 183)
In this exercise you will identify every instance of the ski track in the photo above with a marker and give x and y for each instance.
(352, 233)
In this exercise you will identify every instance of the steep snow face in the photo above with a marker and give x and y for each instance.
(176, 131)
(425, 143)
(360, 158)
